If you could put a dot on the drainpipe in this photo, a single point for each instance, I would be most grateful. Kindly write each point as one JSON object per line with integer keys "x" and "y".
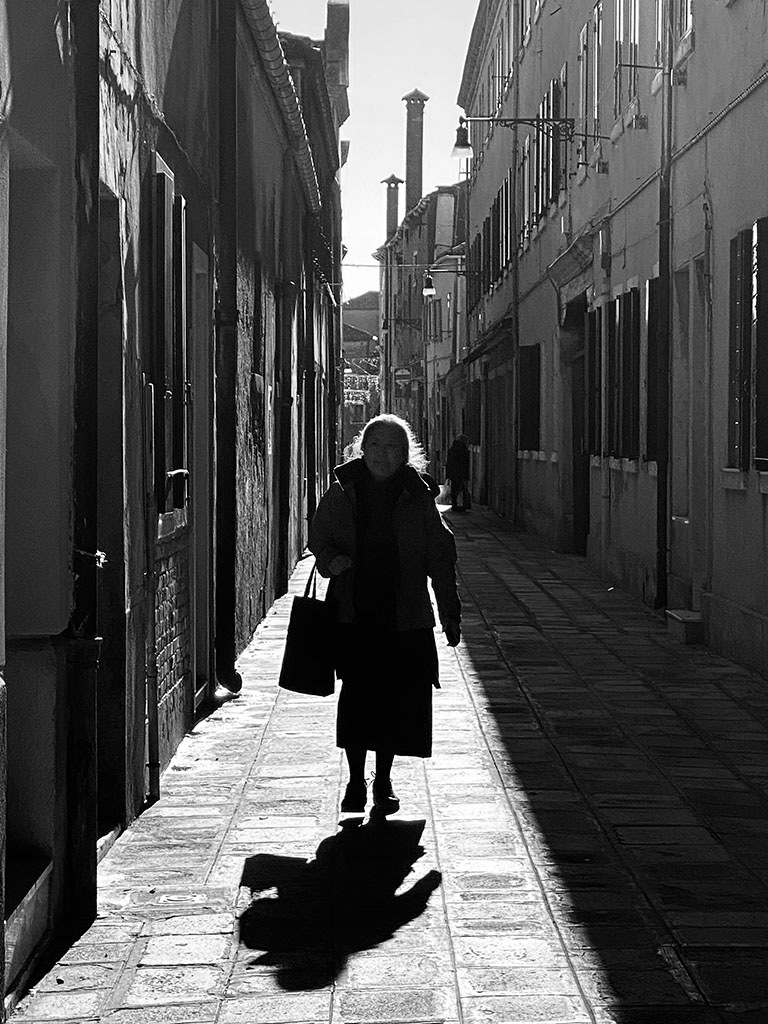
{"x": 226, "y": 352}
{"x": 665, "y": 291}
{"x": 83, "y": 644}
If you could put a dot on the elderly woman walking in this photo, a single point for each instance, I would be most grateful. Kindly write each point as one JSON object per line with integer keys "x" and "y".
{"x": 378, "y": 535}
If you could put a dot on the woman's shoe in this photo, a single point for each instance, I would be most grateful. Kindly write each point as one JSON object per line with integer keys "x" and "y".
{"x": 384, "y": 799}
{"x": 355, "y": 797}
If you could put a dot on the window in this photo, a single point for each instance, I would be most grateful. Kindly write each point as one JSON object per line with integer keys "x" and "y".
{"x": 748, "y": 349}
{"x": 560, "y": 109}
{"x": 529, "y": 426}
{"x": 583, "y": 119}
{"x": 510, "y": 225}
{"x": 660, "y": 22}
{"x": 524, "y": 9}
{"x": 472, "y": 420}
{"x": 168, "y": 363}
{"x": 597, "y": 58}
{"x": 623, "y": 385}
{"x": 683, "y": 14}
{"x": 618, "y": 53}
{"x": 594, "y": 374}
{"x": 740, "y": 352}
{"x": 629, "y": 332}
{"x": 632, "y": 48}
{"x": 760, "y": 338}
{"x": 524, "y": 183}
{"x": 652, "y": 370}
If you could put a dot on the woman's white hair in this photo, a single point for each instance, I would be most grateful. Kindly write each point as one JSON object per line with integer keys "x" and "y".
{"x": 416, "y": 456}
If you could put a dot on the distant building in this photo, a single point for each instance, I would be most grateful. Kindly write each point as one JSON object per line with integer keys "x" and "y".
{"x": 361, "y": 361}
{"x": 362, "y": 312}
{"x": 419, "y": 332}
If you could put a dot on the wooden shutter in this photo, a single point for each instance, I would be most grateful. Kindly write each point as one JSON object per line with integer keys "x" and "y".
{"x": 182, "y": 386}
{"x": 739, "y": 412}
{"x": 760, "y": 339}
{"x": 529, "y": 398}
{"x": 594, "y": 381}
{"x": 164, "y": 342}
{"x": 652, "y": 370}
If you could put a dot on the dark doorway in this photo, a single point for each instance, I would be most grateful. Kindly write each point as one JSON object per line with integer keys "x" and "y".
{"x": 580, "y": 456}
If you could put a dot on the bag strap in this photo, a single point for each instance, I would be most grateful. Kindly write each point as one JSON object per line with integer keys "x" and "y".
{"x": 311, "y": 582}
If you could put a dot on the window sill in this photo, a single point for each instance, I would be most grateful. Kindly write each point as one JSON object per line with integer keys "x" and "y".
{"x": 171, "y": 523}
{"x": 684, "y": 48}
{"x": 532, "y": 456}
{"x": 733, "y": 479}
{"x": 623, "y": 465}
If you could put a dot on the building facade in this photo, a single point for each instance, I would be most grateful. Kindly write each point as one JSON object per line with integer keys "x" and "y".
{"x": 169, "y": 381}
{"x": 616, "y": 293}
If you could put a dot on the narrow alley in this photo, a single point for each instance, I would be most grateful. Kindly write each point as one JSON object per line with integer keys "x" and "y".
{"x": 586, "y": 846}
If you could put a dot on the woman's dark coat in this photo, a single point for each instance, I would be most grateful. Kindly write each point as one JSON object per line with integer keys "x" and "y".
{"x": 425, "y": 544}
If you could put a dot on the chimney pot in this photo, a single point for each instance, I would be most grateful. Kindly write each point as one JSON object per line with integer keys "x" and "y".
{"x": 393, "y": 184}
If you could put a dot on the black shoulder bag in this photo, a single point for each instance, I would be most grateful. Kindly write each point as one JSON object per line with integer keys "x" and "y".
{"x": 308, "y": 660}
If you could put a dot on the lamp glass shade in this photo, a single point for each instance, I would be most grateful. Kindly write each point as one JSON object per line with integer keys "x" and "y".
{"x": 462, "y": 150}
{"x": 428, "y": 291}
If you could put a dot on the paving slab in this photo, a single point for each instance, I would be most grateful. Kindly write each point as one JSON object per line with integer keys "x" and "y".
{"x": 585, "y": 846}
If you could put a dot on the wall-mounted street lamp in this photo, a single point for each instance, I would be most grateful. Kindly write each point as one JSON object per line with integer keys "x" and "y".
{"x": 557, "y": 127}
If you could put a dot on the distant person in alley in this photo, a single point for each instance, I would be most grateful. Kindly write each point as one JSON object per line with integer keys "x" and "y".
{"x": 457, "y": 471}
{"x": 378, "y": 535}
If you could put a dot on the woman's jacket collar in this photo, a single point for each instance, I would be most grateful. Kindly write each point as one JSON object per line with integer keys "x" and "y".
{"x": 348, "y": 473}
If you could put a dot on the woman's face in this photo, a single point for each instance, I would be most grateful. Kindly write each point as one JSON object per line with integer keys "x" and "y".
{"x": 385, "y": 450}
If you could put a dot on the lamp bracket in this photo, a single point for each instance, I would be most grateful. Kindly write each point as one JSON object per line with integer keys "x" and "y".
{"x": 554, "y": 126}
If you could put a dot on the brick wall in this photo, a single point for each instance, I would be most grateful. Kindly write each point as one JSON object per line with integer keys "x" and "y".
{"x": 173, "y": 626}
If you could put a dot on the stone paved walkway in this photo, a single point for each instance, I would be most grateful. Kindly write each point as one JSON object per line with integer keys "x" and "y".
{"x": 587, "y": 845}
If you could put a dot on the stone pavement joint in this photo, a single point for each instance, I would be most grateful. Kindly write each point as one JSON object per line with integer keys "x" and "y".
{"x": 586, "y": 845}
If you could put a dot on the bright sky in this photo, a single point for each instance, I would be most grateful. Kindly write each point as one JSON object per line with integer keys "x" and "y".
{"x": 395, "y": 46}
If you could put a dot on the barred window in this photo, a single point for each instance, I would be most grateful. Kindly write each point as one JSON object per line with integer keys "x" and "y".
{"x": 748, "y": 349}
{"x": 529, "y": 404}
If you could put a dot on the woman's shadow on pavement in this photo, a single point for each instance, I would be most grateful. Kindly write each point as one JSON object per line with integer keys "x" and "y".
{"x": 309, "y": 916}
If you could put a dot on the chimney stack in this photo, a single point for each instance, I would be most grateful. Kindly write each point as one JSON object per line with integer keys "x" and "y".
{"x": 414, "y": 147}
{"x": 393, "y": 184}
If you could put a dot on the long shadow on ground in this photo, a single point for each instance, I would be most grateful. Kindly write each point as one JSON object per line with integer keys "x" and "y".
{"x": 308, "y": 917}
{"x": 636, "y": 767}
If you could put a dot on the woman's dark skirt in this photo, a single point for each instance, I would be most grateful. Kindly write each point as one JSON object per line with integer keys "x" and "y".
{"x": 386, "y": 693}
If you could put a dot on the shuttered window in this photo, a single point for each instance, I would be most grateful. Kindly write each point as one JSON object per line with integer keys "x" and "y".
{"x": 652, "y": 370}
{"x": 168, "y": 358}
{"x": 748, "y": 349}
{"x": 529, "y": 427}
{"x": 594, "y": 374}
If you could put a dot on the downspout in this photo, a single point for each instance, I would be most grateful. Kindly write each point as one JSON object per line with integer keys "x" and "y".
{"x": 226, "y": 353}
{"x": 665, "y": 291}
{"x": 83, "y": 645}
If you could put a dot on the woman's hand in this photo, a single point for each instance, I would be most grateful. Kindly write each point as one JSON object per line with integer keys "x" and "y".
{"x": 452, "y": 631}
{"x": 339, "y": 564}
